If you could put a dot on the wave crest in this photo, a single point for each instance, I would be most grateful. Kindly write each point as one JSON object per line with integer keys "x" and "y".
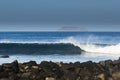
{"x": 93, "y": 48}
{"x": 88, "y": 47}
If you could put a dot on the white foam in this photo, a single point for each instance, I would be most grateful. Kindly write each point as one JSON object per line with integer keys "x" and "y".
{"x": 92, "y": 49}
{"x": 93, "y": 52}
{"x": 54, "y": 58}
{"x": 109, "y": 50}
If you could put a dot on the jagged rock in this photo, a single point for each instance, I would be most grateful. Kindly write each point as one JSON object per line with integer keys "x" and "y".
{"x": 59, "y": 64}
{"x": 1, "y": 68}
{"x": 26, "y": 75}
{"x": 102, "y": 63}
{"x": 35, "y": 67}
{"x": 21, "y": 68}
{"x": 49, "y": 65}
{"x": 30, "y": 63}
{"x": 4, "y": 75}
{"x": 15, "y": 66}
{"x": 77, "y": 64}
{"x": 105, "y": 70}
{"x": 101, "y": 76}
{"x": 4, "y": 56}
{"x": 108, "y": 63}
{"x": 50, "y": 78}
{"x": 13, "y": 76}
{"x": 104, "y": 76}
{"x": 4, "y": 79}
{"x": 116, "y": 75}
{"x": 7, "y": 67}
{"x": 50, "y": 69}
{"x": 11, "y": 67}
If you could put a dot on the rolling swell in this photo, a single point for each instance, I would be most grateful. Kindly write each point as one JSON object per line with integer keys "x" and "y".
{"x": 38, "y": 49}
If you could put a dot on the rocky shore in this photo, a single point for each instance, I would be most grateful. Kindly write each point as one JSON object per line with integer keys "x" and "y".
{"x": 104, "y": 70}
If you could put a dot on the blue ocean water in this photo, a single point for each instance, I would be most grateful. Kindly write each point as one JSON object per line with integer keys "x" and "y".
{"x": 59, "y": 46}
{"x": 83, "y": 37}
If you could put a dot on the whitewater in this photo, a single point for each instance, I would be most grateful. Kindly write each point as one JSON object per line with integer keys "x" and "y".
{"x": 93, "y": 48}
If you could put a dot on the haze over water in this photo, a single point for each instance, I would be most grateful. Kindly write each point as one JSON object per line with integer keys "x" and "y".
{"x": 53, "y": 30}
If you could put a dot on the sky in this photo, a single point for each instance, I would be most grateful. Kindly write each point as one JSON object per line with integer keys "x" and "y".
{"x": 59, "y": 15}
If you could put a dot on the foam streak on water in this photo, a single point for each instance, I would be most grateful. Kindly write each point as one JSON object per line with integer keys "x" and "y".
{"x": 91, "y": 52}
{"x": 55, "y": 58}
{"x": 92, "y": 44}
{"x": 93, "y": 48}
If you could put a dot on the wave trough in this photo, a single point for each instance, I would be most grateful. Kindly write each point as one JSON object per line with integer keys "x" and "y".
{"x": 38, "y": 49}
{"x": 64, "y": 46}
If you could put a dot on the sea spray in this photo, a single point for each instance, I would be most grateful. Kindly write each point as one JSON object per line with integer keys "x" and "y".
{"x": 95, "y": 46}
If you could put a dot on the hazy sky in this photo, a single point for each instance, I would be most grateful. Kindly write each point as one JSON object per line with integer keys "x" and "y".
{"x": 58, "y": 15}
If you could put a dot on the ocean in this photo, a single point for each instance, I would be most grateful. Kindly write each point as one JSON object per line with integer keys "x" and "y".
{"x": 59, "y": 46}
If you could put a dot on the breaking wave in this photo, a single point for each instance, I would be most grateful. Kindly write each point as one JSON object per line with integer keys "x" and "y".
{"x": 95, "y": 48}
{"x": 64, "y": 46}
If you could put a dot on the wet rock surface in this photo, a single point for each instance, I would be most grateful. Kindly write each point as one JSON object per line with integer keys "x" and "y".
{"x": 104, "y": 70}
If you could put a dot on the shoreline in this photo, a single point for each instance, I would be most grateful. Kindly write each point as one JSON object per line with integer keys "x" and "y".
{"x": 103, "y": 70}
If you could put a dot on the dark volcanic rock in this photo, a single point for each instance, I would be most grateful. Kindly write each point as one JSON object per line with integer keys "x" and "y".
{"x": 4, "y": 56}
{"x": 1, "y": 69}
{"x": 31, "y": 63}
{"x": 50, "y": 69}
{"x": 15, "y": 66}
{"x": 4, "y": 75}
{"x": 104, "y": 70}
{"x": 13, "y": 76}
{"x": 8, "y": 67}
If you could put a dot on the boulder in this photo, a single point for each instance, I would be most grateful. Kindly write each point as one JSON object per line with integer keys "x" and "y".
{"x": 30, "y": 63}
{"x": 26, "y": 75}
{"x": 59, "y": 64}
{"x": 15, "y": 66}
{"x": 4, "y": 75}
{"x": 101, "y": 76}
{"x": 50, "y": 69}
{"x": 11, "y": 67}
{"x": 7, "y": 67}
{"x": 13, "y": 76}
{"x": 50, "y": 78}
{"x": 116, "y": 75}
{"x": 1, "y": 68}
{"x": 35, "y": 67}
{"x": 4, "y": 56}
{"x": 108, "y": 63}
{"x": 102, "y": 63}
{"x": 105, "y": 70}
{"x": 4, "y": 79}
